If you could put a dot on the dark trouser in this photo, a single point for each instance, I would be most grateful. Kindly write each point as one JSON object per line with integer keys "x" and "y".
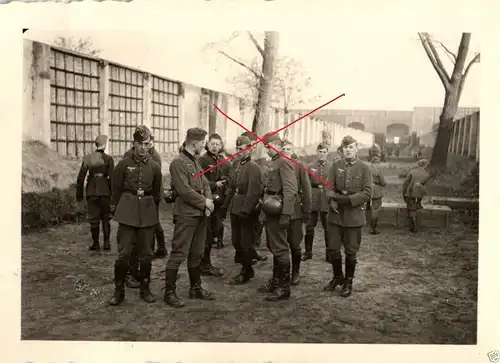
{"x": 373, "y": 209}
{"x": 214, "y": 223}
{"x": 127, "y": 238}
{"x": 99, "y": 210}
{"x": 295, "y": 233}
{"x": 350, "y": 238}
{"x": 311, "y": 225}
{"x": 277, "y": 240}
{"x": 243, "y": 238}
{"x": 159, "y": 234}
{"x": 259, "y": 227}
{"x": 412, "y": 205}
{"x": 188, "y": 242}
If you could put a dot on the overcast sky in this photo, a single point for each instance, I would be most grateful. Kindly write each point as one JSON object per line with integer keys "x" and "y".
{"x": 374, "y": 70}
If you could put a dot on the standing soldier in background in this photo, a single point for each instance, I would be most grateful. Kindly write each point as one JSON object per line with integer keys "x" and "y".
{"x": 99, "y": 167}
{"x": 217, "y": 181}
{"x": 242, "y": 198}
{"x": 226, "y": 171}
{"x": 191, "y": 209}
{"x": 137, "y": 184}
{"x": 319, "y": 210}
{"x": 277, "y": 208}
{"x": 375, "y": 205}
{"x": 301, "y": 213}
{"x": 352, "y": 182}
{"x": 413, "y": 192}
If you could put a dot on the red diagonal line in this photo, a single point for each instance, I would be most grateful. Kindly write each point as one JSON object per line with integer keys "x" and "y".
{"x": 225, "y": 160}
{"x": 313, "y": 174}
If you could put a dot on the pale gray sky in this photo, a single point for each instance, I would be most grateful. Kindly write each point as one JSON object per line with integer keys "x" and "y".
{"x": 374, "y": 70}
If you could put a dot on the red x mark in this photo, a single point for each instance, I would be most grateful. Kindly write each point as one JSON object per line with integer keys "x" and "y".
{"x": 225, "y": 160}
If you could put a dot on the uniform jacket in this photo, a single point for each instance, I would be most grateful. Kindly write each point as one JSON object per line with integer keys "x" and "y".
{"x": 281, "y": 179}
{"x": 219, "y": 173}
{"x": 304, "y": 201}
{"x": 414, "y": 184}
{"x": 154, "y": 156}
{"x": 131, "y": 175}
{"x": 192, "y": 191}
{"x": 245, "y": 188}
{"x": 354, "y": 178}
{"x": 97, "y": 162}
{"x": 319, "y": 197}
{"x": 378, "y": 181}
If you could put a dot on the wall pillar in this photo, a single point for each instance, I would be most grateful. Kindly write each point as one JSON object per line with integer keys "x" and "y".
{"x": 104, "y": 120}
{"x": 41, "y": 92}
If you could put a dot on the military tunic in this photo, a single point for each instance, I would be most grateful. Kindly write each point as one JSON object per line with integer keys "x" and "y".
{"x": 190, "y": 222}
{"x": 136, "y": 190}
{"x": 319, "y": 208}
{"x": 375, "y": 204}
{"x": 302, "y": 207}
{"x": 414, "y": 189}
{"x": 214, "y": 226}
{"x": 243, "y": 196}
{"x": 354, "y": 179}
{"x": 97, "y": 168}
{"x": 280, "y": 181}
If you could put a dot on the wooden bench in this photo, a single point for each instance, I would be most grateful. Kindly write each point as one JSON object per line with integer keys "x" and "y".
{"x": 431, "y": 216}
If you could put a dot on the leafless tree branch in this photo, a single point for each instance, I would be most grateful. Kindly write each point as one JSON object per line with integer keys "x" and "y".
{"x": 476, "y": 59}
{"x": 435, "y": 61}
{"x": 240, "y": 63}
{"x": 449, "y": 52}
{"x": 257, "y": 45}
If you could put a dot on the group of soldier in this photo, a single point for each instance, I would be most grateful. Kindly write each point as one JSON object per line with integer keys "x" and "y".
{"x": 206, "y": 189}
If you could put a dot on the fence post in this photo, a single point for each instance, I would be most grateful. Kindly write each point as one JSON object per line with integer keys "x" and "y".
{"x": 472, "y": 121}
{"x": 41, "y": 92}
{"x": 465, "y": 136}
{"x": 104, "y": 98}
{"x": 477, "y": 136}
{"x": 147, "y": 108}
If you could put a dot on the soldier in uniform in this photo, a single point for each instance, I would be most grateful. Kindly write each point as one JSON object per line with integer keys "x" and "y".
{"x": 352, "y": 182}
{"x": 301, "y": 213}
{"x": 242, "y": 199}
{"x": 99, "y": 167}
{"x": 218, "y": 183}
{"x": 281, "y": 185}
{"x": 319, "y": 208}
{"x": 191, "y": 209}
{"x": 374, "y": 206}
{"x": 414, "y": 190}
{"x": 137, "y": 183}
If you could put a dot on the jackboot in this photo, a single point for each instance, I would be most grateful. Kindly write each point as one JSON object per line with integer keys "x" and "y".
{"x": 161, "y": 250}
{"x": 308, "y": 254}
{"x": 282, "y": 292}
{"x": 145, "y": 277}
{"x": 350, "y": 267}
{"x": 197, "y": 291}
{"x": 106, "y": 231}
{"x": 272, "y": 283}
{"x": 412, "y": 221}
{"x": 338, "y": 275}
{"x": 119, "y": 293}
{"x": 373, "y": 226}
{"x": 296, "y": 258}
{"x": 246, "y": 274}
{"x": 170, "y": 296}
{"x": 94, "y": 231}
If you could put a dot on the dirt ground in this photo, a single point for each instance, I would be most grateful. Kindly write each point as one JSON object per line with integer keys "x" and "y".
{"x": 409, "y": 289}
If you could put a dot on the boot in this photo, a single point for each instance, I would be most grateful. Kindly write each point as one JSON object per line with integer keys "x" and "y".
{"x": 412, "y": 222}
{"x": 161, "y": 251}
{"x": 94, "y": 231}
{"x": 282, "y": 292}
{"x": 197, "y": 291}
{"x": 106, "y": 231}
{"x": 132, "y": 282}
{"x": 119, "y": 293}
{"x": 373, "y": 226}
{"x": 170, "y": 296}
{"x": 308, "y": 254}
{"x": 145, "y": 271}
{"x": 258, "y": 257}
{"x": 338, "y": 275}
{"x": 296, "y": 258}
{"x": 350, "y": 266}
{"x": 273, "y": 281}
{"x": 246, "y": 274}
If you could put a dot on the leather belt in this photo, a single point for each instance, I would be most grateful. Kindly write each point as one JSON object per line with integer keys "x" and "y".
{"x": 98, "y": 175}
{"x": 139, "y": 193}
{"x": 273, "y": 193}
{"x": 238, "y": 191}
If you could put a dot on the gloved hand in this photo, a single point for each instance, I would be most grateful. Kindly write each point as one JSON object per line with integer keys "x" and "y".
{"x": 306, "y": 217}
{"x": 284, "y": 221}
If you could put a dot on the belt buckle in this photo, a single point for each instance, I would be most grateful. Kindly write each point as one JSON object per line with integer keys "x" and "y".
{"x": 140, "y": 193}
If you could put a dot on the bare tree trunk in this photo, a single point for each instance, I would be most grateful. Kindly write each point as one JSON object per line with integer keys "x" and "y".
{"x": 445, "y": 130}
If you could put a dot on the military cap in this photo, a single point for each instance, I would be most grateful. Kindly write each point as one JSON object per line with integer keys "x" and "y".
{"x": 196, "y": 134}
{"x": 101, "y": 141}
{"x": 242, "y": 140}
{"x": 249, "y": 135}
{"x": 286, "y": 142}
{"x": 142, "y": 133}
{"x": 272, "y": 138}
{"x": 322, "y": 145}
{"x": 375, "y": 159}
{"x": 215, "y": 136}
{"x": 422, "y": 162}
{"x": 348, "y": 140}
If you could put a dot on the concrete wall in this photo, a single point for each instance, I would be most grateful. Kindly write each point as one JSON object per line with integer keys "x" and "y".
{"x": 114, "y": 98}
{"x": 465, "y": 137}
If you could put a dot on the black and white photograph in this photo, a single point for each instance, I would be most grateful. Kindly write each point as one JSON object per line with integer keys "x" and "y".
{"x": 250, "y": 187}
